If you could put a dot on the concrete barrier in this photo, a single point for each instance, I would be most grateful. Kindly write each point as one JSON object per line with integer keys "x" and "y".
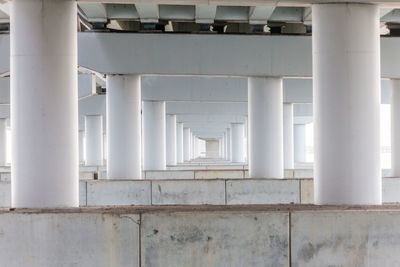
{"x": 120, "y": 192}
{"x": 170, "y": 236}
{"x": 256, "y": 191}
{"x": 345, "y": 238}
{"x": 188, "y": 192}
{"x": 215, "y": 239}
{"x": 69, "y": 239}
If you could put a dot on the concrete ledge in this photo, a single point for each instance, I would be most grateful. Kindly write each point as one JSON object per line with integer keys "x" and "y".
{"x": 114, "y": 193}
{"x": 262, "y": 191}
{"x": 188, "y": 192}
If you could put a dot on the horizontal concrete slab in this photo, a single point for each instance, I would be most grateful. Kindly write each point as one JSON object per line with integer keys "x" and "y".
{"x": 215, "y": 239}
{"x": 114, "y": 193}
{"x": 262, "y": 191}
{"x": 169, "y": 175}
{"x": 188, "y": 192}
{"x": 69, "y": 239}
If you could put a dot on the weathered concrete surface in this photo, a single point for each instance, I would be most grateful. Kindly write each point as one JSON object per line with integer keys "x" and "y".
{"x": 155, "y": 175}
{"x": 75, "y": 239}
{"x": 5, "y": 176}
{"x": 262, "y": 191}
{"x": 5, "y": 194}
{"x": 219, "y": 174}
{"x": 345, "y": 238}
{"x": 391, "y": 190}
{"x": 82, "y": 193}
{"x": 188, "y": 192}
{"x": 215, "y": 239}
{"x": 118, "y": 192}
{"x": 303, "y": 173}
{"x": 307, "y": 191}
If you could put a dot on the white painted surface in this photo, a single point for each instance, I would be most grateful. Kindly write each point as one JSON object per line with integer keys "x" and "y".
{"x": 265, "y": 128}
{"x": 299, "y": 133}
{"x": 94, "y": 140}
{"x": 81, "y": 141}
{"x": 69, "y": 239}
{"x": 124, "y": 107}
{"x": 346, "y": 71}
{"x": 288, "y": 148}
{"x": 179, "y": 142}
{"x": 395, "y": 126}
{"x": 171, "y": 139}
{"x": 3, "y": 141}
{"x": 186, "y": 144}
{"x": 44, "y": 104}
{"x": 154, "y": 148}
{"x": 228, "y": 144}
{"x": 238, "y": 149}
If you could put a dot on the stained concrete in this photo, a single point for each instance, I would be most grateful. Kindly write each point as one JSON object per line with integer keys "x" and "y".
{"x": 77, "y": 239}
{"x": 345, "y": 238}
{"x": 188, "y": 192}
{"x": 118, "y": 192}
{"x": 261, "y": 191}
{"x": 215, "y": 239}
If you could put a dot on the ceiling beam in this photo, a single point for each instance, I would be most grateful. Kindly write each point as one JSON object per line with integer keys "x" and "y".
{"x": 205, "y": 14}
{"x": 148, "y": 13}
{"x": 95, "y": 12}
{"x": 260, "y": 14}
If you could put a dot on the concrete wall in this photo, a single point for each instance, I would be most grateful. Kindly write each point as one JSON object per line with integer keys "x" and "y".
{"x": 203, "y": 191}
{"x": 212, "y": 147}
{"x": 283, "y": 235}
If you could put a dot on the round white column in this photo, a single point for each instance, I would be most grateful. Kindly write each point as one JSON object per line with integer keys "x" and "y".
{"x": 179, "y": 142}
{"x": 124, "y": 106}
{"x": 171, "y": 139}
{"x": 3, "y": 141}
{"x": 228, "y": 144}
{"x": 81, "y": 146}
{"x": 288, "y": 150}
{"x": 222, "y": 147}
{"x": 94, "y": 140}
{"x": 154, "y": 139}
{"x": 299, "y": 142}
{"x": 237, "y": 142}
{"x": 44, "y": 104}
{"x": 265, "y": 136}
{"x": 346, "y": 84}
{"x": 395, "y": 126}
{"x": 186, "y": 144}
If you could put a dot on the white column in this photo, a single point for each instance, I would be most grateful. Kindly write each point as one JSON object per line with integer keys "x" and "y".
{"x": 226, "y": 157}
{"x": 186, "y": 144}
{"x": 395, "y": 126}
{"x": 44, "y": 104}
{"x": 191, "y": 145}
{"x": 105, "y": 148}
{"x": 346, "y": 83}
{"x": 94, "y": 140}
{"x": 154, "y": 135}
{"x": 265, "y": 128}
{"x": 299, "y": 136}
{"x": 222, "y": 147}
{"x": 81, "y": 146}
{"x": 171, "y": 139}
{"x": 124, "y": 106}
{"x": 3, "y": 141}
{"x": 237, "y": 142}
{"x": 228, "y": 144}
{"x": 179, "y": 142}
{"x": 288, "y": 150}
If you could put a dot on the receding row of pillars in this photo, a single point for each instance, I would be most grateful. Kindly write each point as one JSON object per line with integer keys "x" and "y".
{"x": 44, "y": 109}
